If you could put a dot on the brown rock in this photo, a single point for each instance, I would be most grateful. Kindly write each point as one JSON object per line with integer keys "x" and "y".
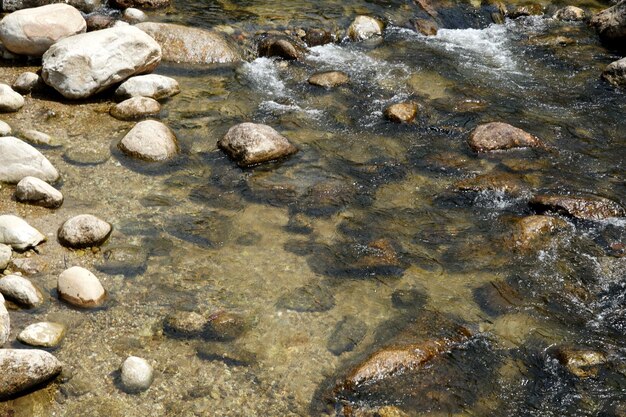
{"x": 401, "y": 112}
{"x": 251, "y": 144}
{"x": 281, "y": 46}
{"x": 493, "y": 181}
{"x": 588, "y": 208}
{"x": 225, "y": 325}
{"x": 316, "y": 37}
{"x": 611, "y": 23}
{"x": 96, "y": 21}
{"x": 530, "y": 229}
{"x": 329, "y": 79}
{"x": 526, "y": 10}
{"x": 427, "y": 27}
{"x": 581, "y": 362}
{"x": 25, "y": 368}
{"x": 615, "y": 73}
{"x": 571, "y": 13}
{"x": 499, "y": 136}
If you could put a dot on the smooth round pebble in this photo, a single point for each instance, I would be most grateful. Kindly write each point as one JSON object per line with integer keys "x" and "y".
{"x": 5, "y": 129}
{"x": 80, "y": 287}
{"x": 137, "y": 374}
{"x": 83, "y": 231}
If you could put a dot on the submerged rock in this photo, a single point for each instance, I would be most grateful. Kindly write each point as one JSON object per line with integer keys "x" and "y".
{"x": 581, "y": 362}
{"x": 5, "y": 323}
{"x": 500, "y": 136}
{"x": 228, "y": 353}
{"x": 280, "y": 46}
{"x": 129, "y": 260}
{"x": 151, "y": 141}
{"x": 152, "y": 85}
{"x": 18, "y": 159}
{"x": 615, "y": 73}
{"x": 329, "y": 79}
{"x": 364, "y": 27}
{"x": 401, "y": 112}
{"x": 85, "y": 64}
{"x": 44, "y": 334}
{"x": 309, "y": 298}
{"x": 587, "y": 208}
{"x": 32, "y": 190}
{"x": 83, "y": 231}
{"x": 225, "y": 325}
{"x": 530, "y": 230}
{"x": 348, "y": 333}
{"x": 80, "y": 288}
{"x": 10, "y": 101}
{"x": 184, "y": 324}
{"x": 611, "y": 23}
{"x": 38, "y": 138}
{"x": 18, "y": 234}
{"x": 25, "y": 368}
{"x": 32, "y": 31}
{"x": 20, "y": 290}
{"x": 136, "y": 108}
{"x": 493, "y": 181}
{"x": 137, "y": 374}
{"x": 251, "y": 144}
{"x": 571, "y": 13}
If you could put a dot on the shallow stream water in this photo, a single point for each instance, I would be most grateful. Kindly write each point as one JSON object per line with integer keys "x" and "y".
{"x": 290, "y": 245}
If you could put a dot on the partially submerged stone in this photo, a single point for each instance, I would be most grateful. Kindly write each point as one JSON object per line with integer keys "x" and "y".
{"x": 136, "y": 108}
{"x": 282, "y": 46}
{"x": 136, "y": 374}
{"x": 44, "y": 334}
{"x": 401, "y": 112}
{"x": 18, "y": 159}
{"x": 329, "y": 79}
{"x": 32, "y": 190}
{"x": 570, "y": 13}
{"x": 530, "y": 230}
{"x": 581, "y": 362}
{"x": 80, "y": 287}
{"x": 25, "y": 368}
{"x": 151, "y": 141}
{"x": 21, "y": 291}
{"x": 615, "y": 73}
{"x": 500, "y": 136}
{"x": 152, "y": 85}
{"x": 364, "y": 27}
{"x": 611, "y": 23}
{"x": 587, "y": 208}
{"x": 17, "y": 233}
{"x": 83, "y": 231}
{"x": 251, "y": 144}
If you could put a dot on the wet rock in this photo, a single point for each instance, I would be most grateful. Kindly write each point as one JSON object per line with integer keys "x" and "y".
{"x": 88, "y": 156}
{"x": 32, "y": 190}
{"x": 151, "y": 141}
{"x": 500, "y": 136}
{"x": 251, "y": 144}
{"x": 317, "y": 37}
{"x": 588, "y": 208}
{"x": 99, "y": 21}
{"x": 497, "y": 298}
{"x": 611, "y": 23}
{"x": 5, "y": 323}
{"x": 136, "y": 108}
{"x": 10, "y": 101}
{"x": 310, "y": 298}
{"x": 152, "y": 85}
{"x": 129, "y": 260}
{"x": 530, "y": 230}
{"x": 225, "y": 326}
{"x": 86, "y": 6}
{"x": 25, "y": 368}
{"x": 401, "y": 112}
{"x": 326, "y": 198}
{"x": 232, "y": 355}
{"x": 18, "y": 234}
{"x": 348, "y": 333}
{"x": 141, "y": 4}
{"x": 191, "y": 45}
{"x": 364, "y": 27}
{"x": 27, "y": 82}
{"x": 426, "y": 27}
{"x": 5, "y": 129}
{"x": 184, "y": 324}
{"x": 412, "y": 299}
{"x": 615, "y": 73}
{"x": 570, "y": 13}
{"x": 80, "y": 287}
{"x": 206, "y": 229}
{"x": 18, "y": 159}
{"x": 493, "y": 181}
{"x": 581, "y": 362}
{"x": 134, "y": 16}
{"x": 44, "y": 334}
{"x": 280, "y": 46}
{"x": 525, "y": 10}
{"x": 137, "y": 374}
{"x": 329, "y": 79}
{"x": 38, "y": 138}
{"x": 83, "y": 231}
{"x": 32, "y": 31}
{"x": 85, "y": 64}
{"x": 21, "y": 291}
{"x": 5, "y": 256}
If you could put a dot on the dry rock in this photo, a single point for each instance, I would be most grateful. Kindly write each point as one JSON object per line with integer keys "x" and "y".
{"x": 571, "y": 13}
{"x": 5, "y": 129}
{"x": 21, "y": 291}
{"x": 152, "y": 85}
{"x": 611, "y": 23}
{"x": 44, "y": 334}
{"x": 32, "y": 190}
{"x": 134, "y": 16}
{"x": 615, "y": 73}
{"x": 15, "y": 232}
{"x": 5, "y": 323}
{"x": 5, "y": 256}
{"x": 25, "y": 368}
{"x": 251, "y": 144}
{"x": 150, "y": 140}
{"x": 83, "y": 231}
{"x": 499, "y": 136}
{"x": 80, "y": 287}
{"x": 10, "y": 101}
{"x": 27, "y": 82}
{"x": 18, "y": 159}
{"x": 136, "y": 108}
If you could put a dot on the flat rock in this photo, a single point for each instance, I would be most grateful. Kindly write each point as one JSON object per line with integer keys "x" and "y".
{"x": 611, "y": 23}
{"x": 570, "y": 13}
{"x": 329, "y": 79}
{"x": 17, "y": 233}
{"x": 191, "y": 45}
{"x": 364, "y": 27}
{"x": 5, "y": 128}
{"x": 136, "y": 108}
{"x": 5, "y": 256}
{"x": 348, "y": 333}
{"x": 401, "y": 112}
{"x": 83, "y": 231}
{"x": 282, "y": 46}
{"x": 25, "y": 368}
{"x": 38, "y": 138}
{"x": 151, "y": 141}
{"x": 615, "y": 73}
{"x": 32, "y": 31}
{"x": 18, "y": 159}
{"x": 10, "y": 100}
{"x": 80, "y": 287}
{"x": 5, "y": 323}
{"x": 251, "y": 144}
{"x": 27, "y": 82}
{"x": 20, "y": 290}
{"x": 499, "y": 136}
{"x": 152, "y": 85}
{"x": 85, "y": 64}
{"x": 32, "y": 190}
{"x": 137, "y": 374}
{"x": 588, "y": 208}
{"x": 44, "y": 334}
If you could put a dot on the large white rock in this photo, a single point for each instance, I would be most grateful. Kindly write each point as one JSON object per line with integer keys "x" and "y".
{"x": 25, "y": 368}
{"x": 85, "y": 64}
{"x": 32, "y": 31}
{"x": 83, "y": 231}
{"x": 35, "y": 191}
{"x": 150, "y": 140}
{"x": 5, "y": 256}
{"x": 364, "y": 27}
{"x": 151, "y": 85}
{"x": 15, "y": 232}
{"x": 80, "y": 287}
{"x": 18, "y": 159}
{"x": 136, "y": 374}
{"x": 5, "y": 322}
{"x": 10, "y": 100}
{"x": 44, "y": 334}
{"x": 20, "y": 290}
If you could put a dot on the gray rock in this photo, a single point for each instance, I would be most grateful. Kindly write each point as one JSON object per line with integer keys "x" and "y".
{"x": 364, "y": 27}
{"x": 10, "y": 101}
{"x": 134, "y": 16}
{"x": 27, "y": 82}
{"x": 190, "y": 45}
{"x": 152, "y": 85}
{"x": 80, "y": 287}
{"x": 571, "y": 13}
{"x": 85, "y": 64}
{"x": 184, "y": 324}
{"x": 251, "y": 144}
{"x": 83, "y": 231}
{"x": 329, "y": 79}
{"x": 82, "y": 5}
{"x": 32, "y": 190}
{"x": 18, "y": 234}
{"x": 25, "y": 368}
{"x": 150, "y": 140}
{"x": 136, "y": 108}
{"x": 310, "y": 298}
{"x": 615, "y": 73}
{"x": 5, "y": 256}
{"x": 5, "y": 129}
{"x": 44, "y": 334}
{"x": 5, "y": 323}
{"x": 500, "y": 136}
{"x": 137, "y": 374}
{"x": 21, "y": 291}
{"x": 18, "y": 159}
{"x": 611, "y": 23}
{"x": 32, "y": 31}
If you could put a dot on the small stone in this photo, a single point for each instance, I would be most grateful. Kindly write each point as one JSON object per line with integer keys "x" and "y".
{"x": 80, "y": 288}
{"x": 87, "y": 156}
{"x": 5, "y": 323}
{"x": 401, "y": 112}
{"x": 525, "y": 10}
{"x": 317, "y": 37}
{"x": 329, "y": 79}
{"x": 309, "y": 298}
{"x": 83, "y": 231}
{"x": 152, "y": 85}
{"x": 25, "y": 368}
{"x": 44, "y": 334}
{"x": 225, "y": 326}
{"x": 38, "y": 138}
{"x": 99, "y": 21}
{"x": 500, "y": 136}
{"x": 426, "y": 27}
{"x": 27, "y": 82}
{"x": 5, "y": 129}
{"x": 35, "y": 191}
{"x": 251, "y": 144}
{"x": 364, "y": 27}
{"x": 150, "y": 140}
{"x": 5, "y": 256}
{"x": 133, "y": 16}
{"x": 21, "y": 291}
{"x": 615, "y": 73}
{"x": 348, "y": 333}
{"x": 18, "y": 159}
{"x": 15, "y": 232}
{"x": 136, "y": 108}
{"x": 571, "y": 13}
{"x": 27, "y": 266}
{"x": 587, "y": 208}
{"x": 280, "y": 46}
{"x": 581, "y": 362}
{"x": 184, "y": 324}
{"x": 137, "y": 374}
{"x": 10, "y": 100}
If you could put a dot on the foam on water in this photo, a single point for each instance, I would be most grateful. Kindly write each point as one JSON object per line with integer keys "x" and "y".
{"x": 264, "y": 76}
{"x": 278, "y": 108}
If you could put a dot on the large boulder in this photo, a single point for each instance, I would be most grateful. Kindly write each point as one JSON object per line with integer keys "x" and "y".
{"x": 500, "y": 136}
{"x": 17, "y": 233}
{"x": 611, "y": 23}
{"x": 85, "y": 64}
{"x": 150, "y": 140}
{"x": 251, "y": 144}
{"x": 190, "y": 45}
{"x": 615, "y": 73}
{"x": 25, "y": 368}
{"x": 33, "y": 31}
{"x": 86, "y": 6}
{"x": 18, "y": 159}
